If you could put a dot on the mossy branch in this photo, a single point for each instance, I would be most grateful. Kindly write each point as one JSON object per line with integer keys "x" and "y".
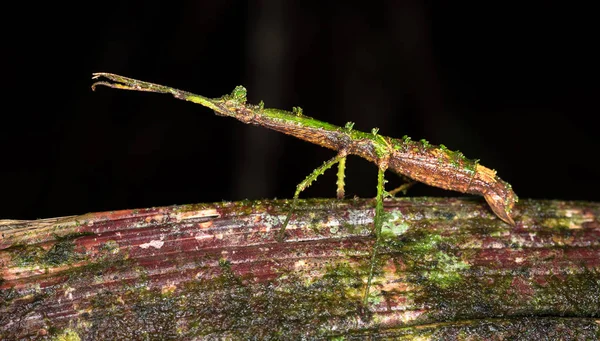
{"x": 445, "y": 269}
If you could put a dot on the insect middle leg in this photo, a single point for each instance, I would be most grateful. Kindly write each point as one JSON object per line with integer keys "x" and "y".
{"x": 341, "y": 158}
{"x": 340, "y": 178}
{"x": 378, "y": 222}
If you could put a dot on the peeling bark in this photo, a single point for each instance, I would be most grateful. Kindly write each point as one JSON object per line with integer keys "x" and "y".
{"x": 447, "y": 269}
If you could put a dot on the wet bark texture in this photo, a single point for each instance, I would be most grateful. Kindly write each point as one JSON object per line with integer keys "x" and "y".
{"x": 447, "y": 269}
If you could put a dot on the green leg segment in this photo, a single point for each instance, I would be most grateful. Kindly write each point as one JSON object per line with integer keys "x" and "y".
{"x": 340, "y": 178}
{"x": 307, "y": 182}
{"x": 378, "y": 222}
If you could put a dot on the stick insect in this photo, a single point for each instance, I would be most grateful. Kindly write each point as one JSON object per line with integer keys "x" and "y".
{"x": 418, "y": 160}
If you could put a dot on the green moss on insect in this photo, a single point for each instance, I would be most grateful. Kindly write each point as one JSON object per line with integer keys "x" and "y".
{"x": 238, "y": 95}
{"x": 380, "y": 144}
{"x": 297, "y": 111}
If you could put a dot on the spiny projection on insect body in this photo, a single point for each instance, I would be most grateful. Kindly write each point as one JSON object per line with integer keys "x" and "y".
{"x": 418, "y": 160}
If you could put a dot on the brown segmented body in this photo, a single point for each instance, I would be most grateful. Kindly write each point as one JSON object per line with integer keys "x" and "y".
{"x": 474, "y": 179}
{"x": 433, "y": 165}
{"x": 420, "y": 161}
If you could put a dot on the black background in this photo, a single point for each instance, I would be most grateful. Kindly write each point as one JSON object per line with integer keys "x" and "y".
{"x": 514, "y": 86}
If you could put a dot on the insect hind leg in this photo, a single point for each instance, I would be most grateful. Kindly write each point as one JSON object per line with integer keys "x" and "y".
{"x": 402, "y": 188}
{"x": 341, "y": 158}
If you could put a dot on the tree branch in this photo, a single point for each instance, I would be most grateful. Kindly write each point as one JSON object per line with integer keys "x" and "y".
{"x": 445, "y": 269}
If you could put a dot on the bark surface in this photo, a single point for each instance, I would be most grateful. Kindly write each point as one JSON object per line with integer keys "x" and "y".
{"x": 446, "y": 269}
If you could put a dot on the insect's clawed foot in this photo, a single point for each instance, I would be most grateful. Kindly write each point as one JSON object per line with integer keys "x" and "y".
{"x": 281, "y": 235}
{"x": 280, "y": 238}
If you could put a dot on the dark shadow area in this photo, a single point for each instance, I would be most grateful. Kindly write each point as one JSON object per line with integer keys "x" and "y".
{"x": 515, "y": 87}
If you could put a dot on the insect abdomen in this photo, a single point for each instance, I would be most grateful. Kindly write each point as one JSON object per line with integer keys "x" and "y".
{"x": 440, "y": 167}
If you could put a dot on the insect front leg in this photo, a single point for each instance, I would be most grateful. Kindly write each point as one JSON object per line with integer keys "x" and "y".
{"x": 340, "y": 157}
